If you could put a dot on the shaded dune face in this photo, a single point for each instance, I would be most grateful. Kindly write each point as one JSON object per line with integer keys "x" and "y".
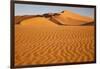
{"x": 67, "y": 21}
{"x": 70, "y": 18}
{"x": 38, "y": 21}
{"x": 18, "y": 19}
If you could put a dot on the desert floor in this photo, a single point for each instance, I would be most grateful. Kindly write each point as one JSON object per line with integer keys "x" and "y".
{"x": 50, "y": 45}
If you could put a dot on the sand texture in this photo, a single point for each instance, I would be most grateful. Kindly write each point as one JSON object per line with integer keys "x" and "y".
{"x": 53, "y": 45}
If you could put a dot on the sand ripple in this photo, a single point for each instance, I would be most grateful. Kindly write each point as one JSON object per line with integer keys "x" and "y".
{"x": 53, "y": 45}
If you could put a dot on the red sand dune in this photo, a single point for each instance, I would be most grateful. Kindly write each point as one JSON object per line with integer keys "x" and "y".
{"x": 70, "y": 18}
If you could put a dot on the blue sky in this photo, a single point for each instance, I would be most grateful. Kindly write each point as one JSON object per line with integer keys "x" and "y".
{"x": 26, "y": 9}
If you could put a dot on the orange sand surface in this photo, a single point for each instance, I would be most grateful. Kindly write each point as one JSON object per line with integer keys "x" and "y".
{"x": 57, "y": 44}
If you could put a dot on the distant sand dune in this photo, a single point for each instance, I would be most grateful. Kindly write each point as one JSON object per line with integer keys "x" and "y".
{"x": 48, "y": 45}
{"x": 66, "y": 18}
{"x": 70, "y": 18}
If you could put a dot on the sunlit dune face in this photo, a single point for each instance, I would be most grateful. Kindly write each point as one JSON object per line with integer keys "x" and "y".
{"x": 38, "y": 21}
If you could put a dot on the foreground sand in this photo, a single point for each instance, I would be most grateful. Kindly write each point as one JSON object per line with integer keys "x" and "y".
{"x": 47, "y": 45}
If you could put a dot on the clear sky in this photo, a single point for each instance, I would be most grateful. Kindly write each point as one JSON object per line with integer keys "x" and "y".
{"x": 26, "y": 9}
